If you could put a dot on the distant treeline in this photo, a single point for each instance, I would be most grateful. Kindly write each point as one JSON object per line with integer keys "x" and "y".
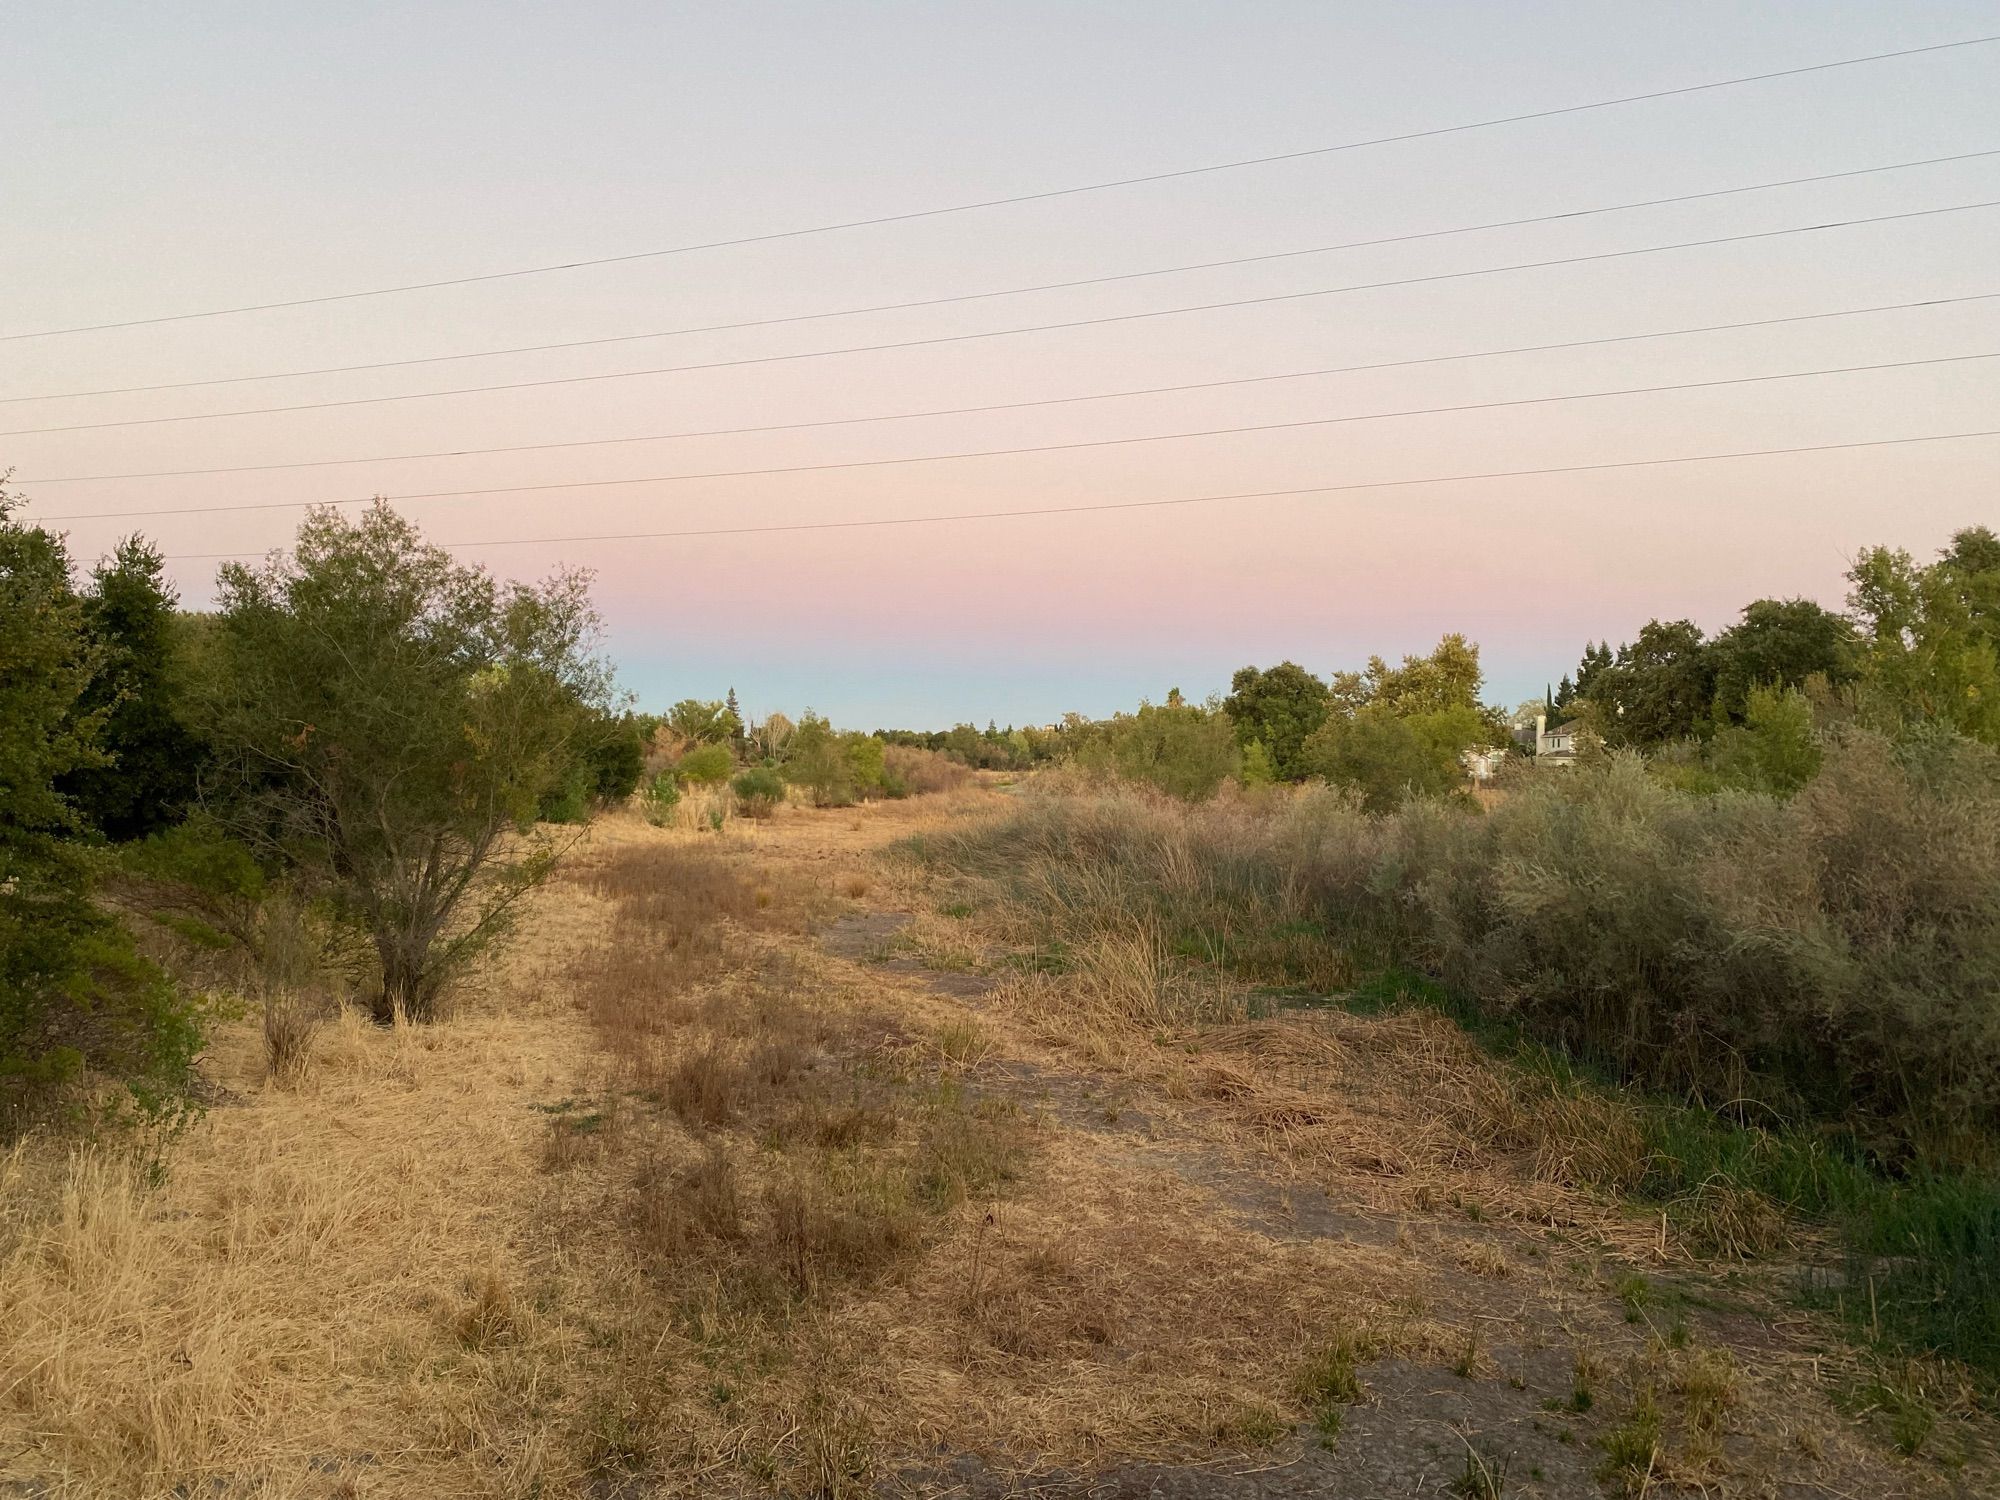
{"x": 1917, "y": 653}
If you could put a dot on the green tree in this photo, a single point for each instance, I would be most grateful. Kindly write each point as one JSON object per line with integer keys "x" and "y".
{"x": 1931, "y": 652}
{"x": 1775, "y": 749}
{"x": 390, "y": 720}
{"x": 1277, "y": 708}
{"x": 816, "y": 759}
{"x": 865, "y": 760}
{"x": 1256, "y": 770}
{"x": 73, "y": 994}
{"x": 146, "y": 778}
{"x": 1660, "y": 688}
{"x": 1778, "y": 642}
{"x": 706, "y": 723}
{"x": 1387, "y": 757}
{"x": 1184, "y": 749}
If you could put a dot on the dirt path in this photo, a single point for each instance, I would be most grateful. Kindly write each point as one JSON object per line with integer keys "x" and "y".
{"x": 1533, "y": 1353}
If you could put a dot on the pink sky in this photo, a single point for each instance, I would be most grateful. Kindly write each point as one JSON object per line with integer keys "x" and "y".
{"x": 212, "y": 159}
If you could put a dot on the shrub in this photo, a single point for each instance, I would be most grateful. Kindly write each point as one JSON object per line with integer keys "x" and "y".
{"x": 908, "y": 771}
{"x": 1388, "y": 757}
{"x": 1182, "y": 749}
{"x": 816, "y": 760}
{"x": 659, "y": 797}
{"x": 758, "y": 790}
{"x": 706, "y": 765}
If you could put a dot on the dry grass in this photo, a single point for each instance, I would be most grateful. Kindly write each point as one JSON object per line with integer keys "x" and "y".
{"x": 678, "y": 1199}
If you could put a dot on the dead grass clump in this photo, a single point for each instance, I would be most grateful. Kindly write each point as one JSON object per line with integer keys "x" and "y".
{"x": 705, "y": 1085}
{"x": 853, "y": 1225}
{"x": 292, "y": 1020}
{"x": 488, "y": 1317}
{"x": 1722, "y": 1218}
{"x": 964, "y": 1044}
{"x": 693, "y": 1208}
{"x": 1045, "y": 1303}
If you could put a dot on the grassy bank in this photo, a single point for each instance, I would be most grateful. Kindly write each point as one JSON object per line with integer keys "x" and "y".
{"x": 1758, "y": 1017}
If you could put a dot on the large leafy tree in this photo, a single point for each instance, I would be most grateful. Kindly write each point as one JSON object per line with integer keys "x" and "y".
{"x": 1450, "y": 677}
{"x": 705, "y": 722}
{"x": 1277, "y": 707}
{"x": 1778, "y": 643}
{"x": 146, "y": 777}
{"x": 1660, "y": 687}
{"x": 390, "y": 720}
{"x": 1932, "y": 647}
{"x": 1396, "y": 732}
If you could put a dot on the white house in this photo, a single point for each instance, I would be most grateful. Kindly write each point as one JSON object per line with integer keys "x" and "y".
{"x": 1557, "y": 746}
{"x": 1483, "y": 762}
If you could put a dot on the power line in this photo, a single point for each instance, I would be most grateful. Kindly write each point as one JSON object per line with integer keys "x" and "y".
{"x": 960, "y": 411}
{"x": 955, "y": 338}
{"x": 1020, "y": 291}
{"x": 1118, "y": 505}
{"x": 1034, "y": 197}
{"x": 930, "y": 458}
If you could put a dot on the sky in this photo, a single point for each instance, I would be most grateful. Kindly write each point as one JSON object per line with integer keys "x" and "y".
{"x": 174, "y": 159}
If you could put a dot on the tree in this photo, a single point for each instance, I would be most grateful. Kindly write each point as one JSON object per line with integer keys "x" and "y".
{"x": 1449, "y": 677}
{"x": 1388, "y": 757}
{"x": 709, "y": 722}
{"x": 772, "y": 736}
{"x": 1660, "y": 688}
{"x": 816, "y": 759}
{"x": 1256, "y": 770}
{"x": 1596, "y": 658}
{"x": 73, "y": 994}
{"x": 146, "y": 778}
{"x": 1778, "y": 642}
{"x": 738, "y": 739}
{"x": 1774, "y": 750}
{"x": 1277, "y": 708}
{"x": 390, "y": 720}
{"x": 1931, "y": 652}
{"x": 1184, "y": 749}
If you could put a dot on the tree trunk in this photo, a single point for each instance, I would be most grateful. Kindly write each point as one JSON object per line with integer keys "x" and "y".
{"x": 406, "y": 987}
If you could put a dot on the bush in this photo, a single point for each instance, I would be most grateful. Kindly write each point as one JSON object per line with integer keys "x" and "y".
{"x": 659, "y": 797}
{"x": 1388, "y": 758}
{"x": 706, "y": 765}
{"x": 816, "y": 759}
{"x": 1808, "y": 982}
{"x": 758, "y": 790}
{"x": 1635, "y": 923}
{"x": 908, "y": 771}
{"x": 1184, "y": 750}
